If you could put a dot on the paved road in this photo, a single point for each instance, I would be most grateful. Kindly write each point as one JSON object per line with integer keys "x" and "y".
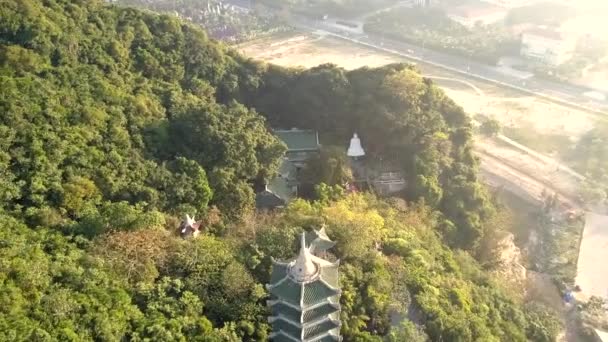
{"x": 565, "y": 94}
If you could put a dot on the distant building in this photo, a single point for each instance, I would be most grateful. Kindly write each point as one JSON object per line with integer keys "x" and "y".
{"x": 511, "y": 3}
{"x": 475, "y": 14}
{"x": 301, "y": 146}
{"x": 547, "y": 46}
{"x": 423, "y": 3}
{"x": 305, "y": 294}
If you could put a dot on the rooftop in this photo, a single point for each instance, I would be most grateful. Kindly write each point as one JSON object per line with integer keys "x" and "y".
{"x": 299, "y": 139}
{"x": 545, "y": 33}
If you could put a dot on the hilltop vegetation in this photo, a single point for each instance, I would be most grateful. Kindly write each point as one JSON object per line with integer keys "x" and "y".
{"x": 108, "y": 105}
{"x": 114, "y": 121}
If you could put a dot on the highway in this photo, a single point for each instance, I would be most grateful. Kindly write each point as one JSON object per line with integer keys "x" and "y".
{"x": 565, "y": 94}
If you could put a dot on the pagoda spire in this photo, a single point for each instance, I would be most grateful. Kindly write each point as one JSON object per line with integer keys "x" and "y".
{"x": 305, "y": 295}
{"x": 303, "y": 268}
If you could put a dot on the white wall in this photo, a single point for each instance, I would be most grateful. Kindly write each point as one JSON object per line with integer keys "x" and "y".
{"x": 546, "y": 50}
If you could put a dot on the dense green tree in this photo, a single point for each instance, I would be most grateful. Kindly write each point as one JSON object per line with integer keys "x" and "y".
{"x": 51, "y": 290}
{"x": 590, "y": 156}
{"x": 406, "y": 331}
{"x": 490, "y": 127}
{"x": 105, "y": 103}
{"x": 114, "y": 120}
{"x": 330, "y": 167}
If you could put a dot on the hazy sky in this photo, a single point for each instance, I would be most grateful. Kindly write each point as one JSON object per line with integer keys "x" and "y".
{"x": 592, "y": 18}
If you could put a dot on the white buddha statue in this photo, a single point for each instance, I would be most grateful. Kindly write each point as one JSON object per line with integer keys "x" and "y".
{"x": 355, "y": 149}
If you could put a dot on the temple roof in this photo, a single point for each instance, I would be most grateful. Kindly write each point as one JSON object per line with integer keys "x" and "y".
{"x": 320, "y": 311}
{"x": 319, "y": 241}
{"x": 268, "y": 199}
{"x": 299, "y": 140}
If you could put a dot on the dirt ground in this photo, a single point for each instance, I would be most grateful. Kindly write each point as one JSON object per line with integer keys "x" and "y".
{"x": 539, "y": 124}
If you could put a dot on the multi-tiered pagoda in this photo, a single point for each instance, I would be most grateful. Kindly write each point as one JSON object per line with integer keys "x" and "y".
{"x": 305, "y": 294}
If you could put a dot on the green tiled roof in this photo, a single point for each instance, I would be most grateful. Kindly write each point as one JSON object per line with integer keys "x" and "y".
{"x": 320, "y": 328}
{"x": 281, "y": 188}
{"x": 287, "y": 328}
{"x": 318, "y": 312}
{"x": 279, "y": 271}
{"x": 330, "y": 275}
{"x": 288, "y": 291}
{"x": 286, "y": 311}
{"x": 320, "y": 241}
{"x": 268, "y": 200}
{"x": 316, "y": 291}
{"x": 299, "y": 140}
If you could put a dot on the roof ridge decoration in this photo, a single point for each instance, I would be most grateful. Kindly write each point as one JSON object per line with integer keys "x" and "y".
{"x": 189, "y": 226}
{"x": 318, "y": 240}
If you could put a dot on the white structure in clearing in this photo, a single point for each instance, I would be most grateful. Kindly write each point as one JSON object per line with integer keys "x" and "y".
{"x": 471, "y": 15}
{"x": 592, "y": 268}
{"x": 547, "y": 46}
{"x": 355, "y": 149}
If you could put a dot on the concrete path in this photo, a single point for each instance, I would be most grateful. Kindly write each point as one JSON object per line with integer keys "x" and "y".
{"x": 592, "y": 269}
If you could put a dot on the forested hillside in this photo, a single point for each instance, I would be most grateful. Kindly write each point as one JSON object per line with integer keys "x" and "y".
{"x": 115, "y": 122}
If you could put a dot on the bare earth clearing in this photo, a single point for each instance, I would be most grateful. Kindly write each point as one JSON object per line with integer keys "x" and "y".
{"x": 531, "y": 118}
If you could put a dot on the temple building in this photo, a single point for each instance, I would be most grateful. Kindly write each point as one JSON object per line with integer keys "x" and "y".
{"x": 383, "y": 179}
{"x": 305, "y": 294}
{"x": 302, "y": 145}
